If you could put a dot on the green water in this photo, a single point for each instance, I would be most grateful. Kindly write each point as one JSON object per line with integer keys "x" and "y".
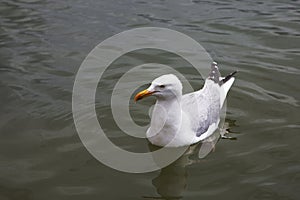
{"x": 42, "y": 44}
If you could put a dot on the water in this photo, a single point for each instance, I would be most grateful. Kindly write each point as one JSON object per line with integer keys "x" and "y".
{"x": 42, "y": 46}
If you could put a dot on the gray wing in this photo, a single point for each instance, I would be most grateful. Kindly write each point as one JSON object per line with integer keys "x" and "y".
{"x": 203, "y": 107}
{"x": 213, "y": 114}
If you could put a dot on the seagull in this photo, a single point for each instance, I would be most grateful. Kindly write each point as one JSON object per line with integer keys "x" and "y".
{"x": 181, "y": 120}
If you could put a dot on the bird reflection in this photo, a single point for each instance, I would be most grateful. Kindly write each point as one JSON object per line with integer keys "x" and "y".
{"x": 172, "y": 180}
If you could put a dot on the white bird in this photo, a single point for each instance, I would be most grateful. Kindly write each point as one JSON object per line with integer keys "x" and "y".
{"x": 181, "y": 120}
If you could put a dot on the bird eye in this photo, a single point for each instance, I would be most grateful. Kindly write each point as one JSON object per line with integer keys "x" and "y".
{"x": 162, "y": 86}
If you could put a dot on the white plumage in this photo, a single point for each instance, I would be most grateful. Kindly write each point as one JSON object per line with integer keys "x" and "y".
{"x": 180, "y": 120}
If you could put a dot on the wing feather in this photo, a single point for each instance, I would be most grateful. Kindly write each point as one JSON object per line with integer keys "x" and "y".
{"x": 203, "y": 107}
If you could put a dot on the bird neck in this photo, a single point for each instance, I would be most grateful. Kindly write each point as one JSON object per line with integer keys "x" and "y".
{"x": 170, "y": 103}
{"x": 165, "y": 121}
{"x": 168, "y": 111}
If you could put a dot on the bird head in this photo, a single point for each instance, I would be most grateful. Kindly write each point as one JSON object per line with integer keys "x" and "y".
{"x": 164, "y": 87}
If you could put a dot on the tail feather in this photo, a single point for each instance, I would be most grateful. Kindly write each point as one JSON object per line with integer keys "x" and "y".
{"x": 226, "y": 84}
{"x": 224, "y": 80}
{"x": 214, "y": 74}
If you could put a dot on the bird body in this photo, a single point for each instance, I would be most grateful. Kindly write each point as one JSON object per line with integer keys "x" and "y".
{"x": 181, "y": 120}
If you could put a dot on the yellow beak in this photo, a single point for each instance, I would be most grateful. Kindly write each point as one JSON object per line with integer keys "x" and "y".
{"x": 142, "y": 94}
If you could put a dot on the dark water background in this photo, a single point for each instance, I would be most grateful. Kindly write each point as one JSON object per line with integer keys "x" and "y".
{"x": 42, "y": 44}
